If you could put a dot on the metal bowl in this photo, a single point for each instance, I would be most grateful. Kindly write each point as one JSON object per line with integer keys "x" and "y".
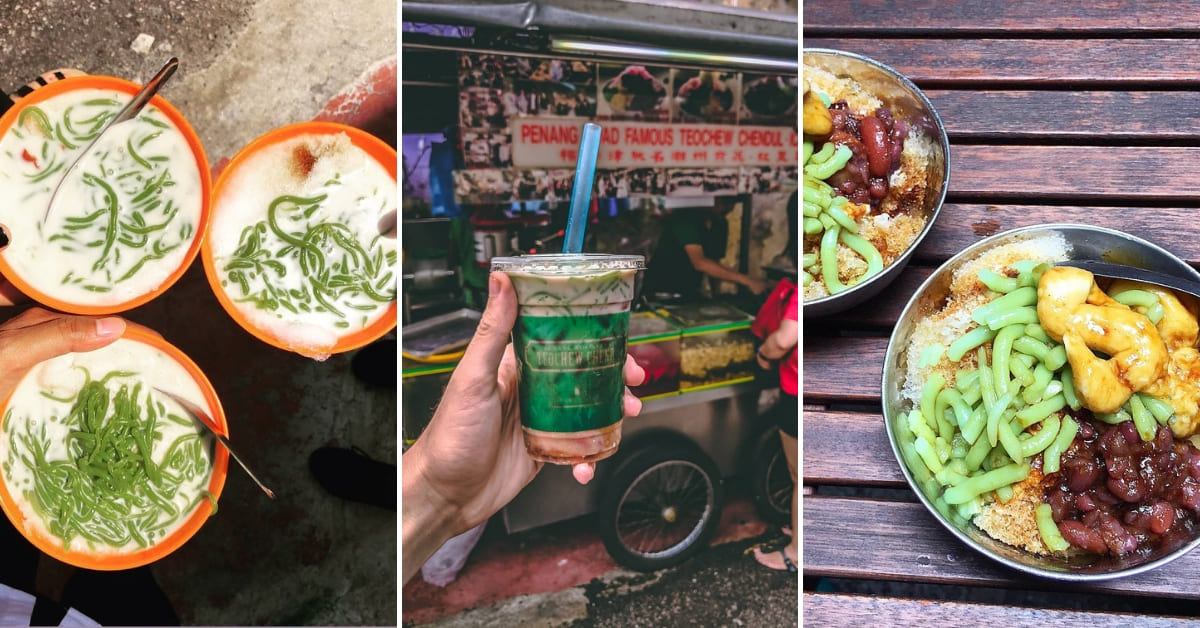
{"x": 908, "y": 103}
{"x": 1087, "y": 243}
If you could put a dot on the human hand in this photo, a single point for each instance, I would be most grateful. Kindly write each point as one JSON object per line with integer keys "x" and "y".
{"x": 763, "y": 363}
{"x": 471, "y": 460}
{"x": 37, "y": 335}
{"x": 757, "y": 286}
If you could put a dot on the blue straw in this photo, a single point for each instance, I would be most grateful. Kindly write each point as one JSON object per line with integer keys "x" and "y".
{"x": 581, "y": 194}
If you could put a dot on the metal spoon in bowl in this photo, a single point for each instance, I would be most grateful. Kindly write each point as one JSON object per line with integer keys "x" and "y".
{"x": 128, "y": 112}
{"x": 202, "y": 418}
{"x": 1121, "y": 271}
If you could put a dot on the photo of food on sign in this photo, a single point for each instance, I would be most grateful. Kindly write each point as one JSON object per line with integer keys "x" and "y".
{"x": 529, "y": 86}
{"x": 768, "y": 98}
{"x": 483, "y": 186}
{"x": 721, "y": 181}
{"x": 481, "y": 108}
{"x": 487, "y": 150}
{"x": 705, "y": 96}
{"x": 634, "y": 92}
{"x": 761, "y": 179}
{"x": 647, "y": 181}
{"x": 685, "y": 182}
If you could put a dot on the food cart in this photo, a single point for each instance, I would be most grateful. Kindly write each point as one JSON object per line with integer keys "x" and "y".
{"x": 697, "y": 101}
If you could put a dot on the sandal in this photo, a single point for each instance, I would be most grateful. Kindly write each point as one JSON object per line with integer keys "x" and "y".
{"x": 788, "y": 565}
{"x": 8, "y": 100}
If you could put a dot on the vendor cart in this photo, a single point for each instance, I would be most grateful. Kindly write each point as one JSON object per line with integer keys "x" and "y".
{"x": 519, "y": 76}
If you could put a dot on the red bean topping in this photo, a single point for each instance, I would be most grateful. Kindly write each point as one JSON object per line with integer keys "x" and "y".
{"x": 1080, "y": 473}
{"x": 1115, "y": 536}
{"x": 875, "y": 141}
{"x": 1082, "y": 537}
{"x": 1116, "y": 494}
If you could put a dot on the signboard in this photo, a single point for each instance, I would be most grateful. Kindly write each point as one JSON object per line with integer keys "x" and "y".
{"x": 666, "y": 131}
{"x": 554, "y": 143}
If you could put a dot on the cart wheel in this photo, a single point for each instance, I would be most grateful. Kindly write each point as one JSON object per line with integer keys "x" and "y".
{"x": 661, "y": 507}
{"x": 773, "y": 486}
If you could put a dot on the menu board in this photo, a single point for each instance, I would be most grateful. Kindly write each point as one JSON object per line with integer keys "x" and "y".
{"x": 666, "y": 131}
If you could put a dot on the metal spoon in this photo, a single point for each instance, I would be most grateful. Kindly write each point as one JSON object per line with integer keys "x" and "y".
{"x": 202, "y": 417}
{"x": 1121, "y": 271}
{"x": 128, "y": 112}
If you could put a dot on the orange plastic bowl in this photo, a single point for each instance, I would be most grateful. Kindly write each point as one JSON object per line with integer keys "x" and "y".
{"x": 108, "y": 82}
{"x": 374, "y": 147}
{"x": 168, "y": 544}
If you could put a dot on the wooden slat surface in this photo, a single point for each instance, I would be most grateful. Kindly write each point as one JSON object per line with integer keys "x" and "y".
{"x": 867, "y": 538}
{"x": 827, "y": 609}
{"x": 843, "y": 369}
{"x": 848, "y": 448}
{"x": 1047, "y": 63}
{"x": 961, "y": 224}
{"x": 1031, "y": 116}
{"x": 1057, "y": 113}
{"x": 1083, "y": 173}
{"x": 943, "y": 17}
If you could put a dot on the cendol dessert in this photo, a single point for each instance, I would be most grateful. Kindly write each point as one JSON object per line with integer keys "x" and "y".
{"x": 94, "y": 461}
{"x": 1055, "y": 410}
{"x": 124, "y": 221}
{"x": 296, "y": 243}
{"x": 864, "y": 183}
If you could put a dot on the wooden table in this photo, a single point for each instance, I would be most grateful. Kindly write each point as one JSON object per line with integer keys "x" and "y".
{"x": 1056, "y": 113}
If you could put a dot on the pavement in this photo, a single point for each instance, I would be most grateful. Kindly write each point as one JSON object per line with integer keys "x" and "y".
{"x": 560, "y": 576}
{"x": 248, "y": 66}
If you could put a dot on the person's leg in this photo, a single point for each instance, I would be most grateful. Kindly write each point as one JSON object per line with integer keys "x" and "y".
{"x": 790, "y": 451}
{"x": 120, "y": 598}
{"x": 787, "y": 419}
{"x": 18, "y": 558}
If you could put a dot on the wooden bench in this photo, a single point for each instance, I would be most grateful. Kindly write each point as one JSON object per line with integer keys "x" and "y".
{"x": 1056, "y": 113}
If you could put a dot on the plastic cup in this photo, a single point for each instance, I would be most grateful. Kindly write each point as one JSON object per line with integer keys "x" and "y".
{"x": 569, "y": 340}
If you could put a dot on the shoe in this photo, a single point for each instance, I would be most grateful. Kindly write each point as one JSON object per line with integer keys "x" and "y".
{"x": 375, "y": 364}
{"x": 353, "y": 475}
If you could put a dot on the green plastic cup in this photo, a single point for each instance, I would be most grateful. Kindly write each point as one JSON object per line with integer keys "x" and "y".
{"x": 569, "y": 341}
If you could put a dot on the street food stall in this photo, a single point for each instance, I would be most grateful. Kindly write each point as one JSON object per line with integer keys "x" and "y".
{"x": 698, "y": 108}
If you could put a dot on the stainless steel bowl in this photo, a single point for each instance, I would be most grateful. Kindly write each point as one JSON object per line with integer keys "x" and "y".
{"x": 1086, "y": 242}
{"x": 907, "y": 103}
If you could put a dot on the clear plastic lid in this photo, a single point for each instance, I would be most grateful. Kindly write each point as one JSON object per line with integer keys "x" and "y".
{"x": 568, "y": 264}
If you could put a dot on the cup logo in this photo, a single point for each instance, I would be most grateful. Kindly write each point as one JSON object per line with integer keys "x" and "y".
{"x": 572, "y": 355}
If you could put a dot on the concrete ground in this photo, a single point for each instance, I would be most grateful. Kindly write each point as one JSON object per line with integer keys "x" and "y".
{"x": 561, "y": 576}
{"x": 247, "y": 66}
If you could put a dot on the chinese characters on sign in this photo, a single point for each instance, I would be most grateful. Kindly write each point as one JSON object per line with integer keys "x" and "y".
{"x": 667, "y": 131}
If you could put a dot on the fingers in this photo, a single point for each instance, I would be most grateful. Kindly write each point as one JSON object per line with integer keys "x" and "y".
{"x": 482, "y": 357}
{"x": 632, "y": 406}
{"x": 9, "y": 295}
{"x": 584, "y": 472}
{"x": 54, "y": 336}
{"x": 29, "y": 318}
{"x": 635, "y": 375}
{"x": 387, "y": 225}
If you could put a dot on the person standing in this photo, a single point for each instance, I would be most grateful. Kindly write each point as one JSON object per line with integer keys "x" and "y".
{"x": 692, "y": 241}
{"x": 780, "y": 346}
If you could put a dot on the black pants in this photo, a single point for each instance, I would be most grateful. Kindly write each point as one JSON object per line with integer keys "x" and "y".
{"x": 786, "y": 413}
{"x": 122, "y": 598}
